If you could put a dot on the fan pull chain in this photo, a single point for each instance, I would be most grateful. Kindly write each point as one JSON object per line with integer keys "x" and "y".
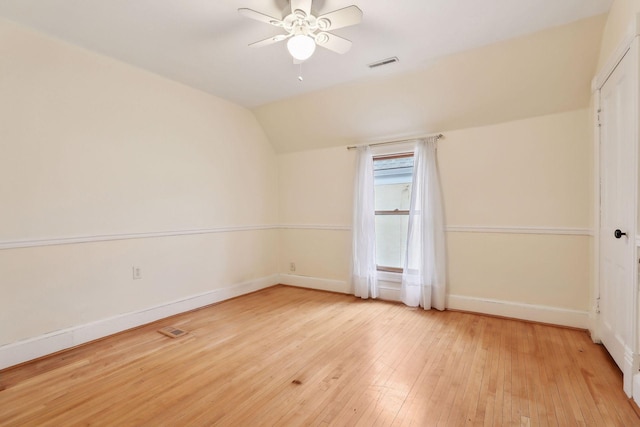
{"x": 300, "y": 79}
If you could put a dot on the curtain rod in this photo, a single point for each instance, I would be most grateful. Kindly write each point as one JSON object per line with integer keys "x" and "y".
{"x": 437, "y": 136}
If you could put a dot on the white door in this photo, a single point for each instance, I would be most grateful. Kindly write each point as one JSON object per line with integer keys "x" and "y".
{"x": 617, "y": 212}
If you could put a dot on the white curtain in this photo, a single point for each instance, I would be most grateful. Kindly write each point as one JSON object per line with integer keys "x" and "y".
{"x": 363, "y": 270}
{"x": 423, "y": 279}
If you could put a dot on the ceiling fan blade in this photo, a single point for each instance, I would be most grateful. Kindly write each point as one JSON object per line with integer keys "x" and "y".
{"x": 270, "y": 40}
{"x": 333, "y": 42}
{"x": 345, "y": 17}
{"x": 303, "y": 5}
{"x": 258, "y": 16}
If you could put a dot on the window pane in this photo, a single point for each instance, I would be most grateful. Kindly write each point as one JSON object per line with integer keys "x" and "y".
{"x": 392, "y": 192}
{"x": 393, "y": 183}
{"x": 391, "y": 239}
{"x": 393, "y": 171}
{"x": 390, "y": 197}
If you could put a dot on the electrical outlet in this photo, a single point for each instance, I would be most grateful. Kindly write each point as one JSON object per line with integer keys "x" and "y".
{"x": 137, "y": 273}
{"x": 292, "y": 266}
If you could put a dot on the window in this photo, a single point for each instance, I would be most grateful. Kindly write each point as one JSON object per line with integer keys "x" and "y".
{"x": 392, "y": 181}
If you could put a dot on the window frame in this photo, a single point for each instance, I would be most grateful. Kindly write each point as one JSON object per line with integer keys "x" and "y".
{"x": 395, "y": 212}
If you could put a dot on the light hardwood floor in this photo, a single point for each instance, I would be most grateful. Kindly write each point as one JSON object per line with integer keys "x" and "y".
{"x": 285, "y": 356}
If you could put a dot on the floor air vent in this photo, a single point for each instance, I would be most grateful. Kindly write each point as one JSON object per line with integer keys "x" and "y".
{"x": 172, "y": 332}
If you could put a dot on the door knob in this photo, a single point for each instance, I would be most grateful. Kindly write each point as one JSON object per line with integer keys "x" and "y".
{"x": 619, "y": 234}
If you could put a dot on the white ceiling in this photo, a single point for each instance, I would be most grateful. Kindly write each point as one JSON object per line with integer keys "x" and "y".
{"x": 203, "y": 43}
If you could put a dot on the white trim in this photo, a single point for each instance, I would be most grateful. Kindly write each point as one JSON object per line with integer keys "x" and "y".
{"x": 30, "y": 243}
{"x": 563, "y": 231}
{"x": 108, "y": 237}
{"x": 388, "y": 276}
{"x": 315, "y": 227}
{"x": 309, "y": 282}
{"x": 516, "y": 310}
{"x": 385, "y": 292}
{"x": 23, "y": 351}
{"x": 632, "y": 363}
{"x": 595, "y": 248}
{"x": 389, "y": 293}
{"x": 633, "y": 358}
{"x": 632, "y": 32}
{"x": 520, "y": 230}
{"x": 636, "y": 389}
{"x": 389, "y": 286}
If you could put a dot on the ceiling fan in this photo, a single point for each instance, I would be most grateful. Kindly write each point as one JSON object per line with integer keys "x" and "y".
{"x": 305, "y": 30}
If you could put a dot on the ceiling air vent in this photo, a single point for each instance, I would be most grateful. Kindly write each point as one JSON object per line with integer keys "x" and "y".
{"x": 384, "y": 62}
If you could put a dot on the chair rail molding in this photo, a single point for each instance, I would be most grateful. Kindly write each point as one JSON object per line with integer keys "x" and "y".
{"x": 29, "y": 243}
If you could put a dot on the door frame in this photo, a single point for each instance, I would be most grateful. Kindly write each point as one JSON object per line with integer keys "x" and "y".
{"x": 630, "y": 45}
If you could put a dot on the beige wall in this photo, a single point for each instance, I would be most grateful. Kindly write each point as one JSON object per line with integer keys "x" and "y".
{"x": 543, "y": 73}
{"x": 51, "y": 288}
{"x": 620, "y": 17}
{"x": 529, "y": 173}
{"x": 93, "y": 147}
{"x": 312, "y": 186}
{"x": 316, "y": 190}
{"x": 534, "y": 172}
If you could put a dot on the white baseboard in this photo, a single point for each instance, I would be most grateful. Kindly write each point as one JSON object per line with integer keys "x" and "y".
{"x": 339, "y": 286}
{"x": 514, "y": 310}
{"x": 536, "y": 313}
{"x": 23, "y": 351}
{"x": 629, "y": 369}
{"x": 389, "y": 293}
{"x": 315, "y": 283}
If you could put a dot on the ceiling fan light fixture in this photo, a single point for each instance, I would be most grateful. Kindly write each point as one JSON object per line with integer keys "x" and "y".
{"x": 301, "y": 47}
{"x": 306, "y": 30}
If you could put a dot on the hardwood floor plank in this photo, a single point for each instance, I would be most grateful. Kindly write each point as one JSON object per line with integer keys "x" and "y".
{"x": 487, "y": 395}
{"x": 296, "y": 357}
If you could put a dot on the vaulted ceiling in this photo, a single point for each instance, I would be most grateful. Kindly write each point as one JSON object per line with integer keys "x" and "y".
{"x": 543, "y": 73}
{"x": 203, "y": 43}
